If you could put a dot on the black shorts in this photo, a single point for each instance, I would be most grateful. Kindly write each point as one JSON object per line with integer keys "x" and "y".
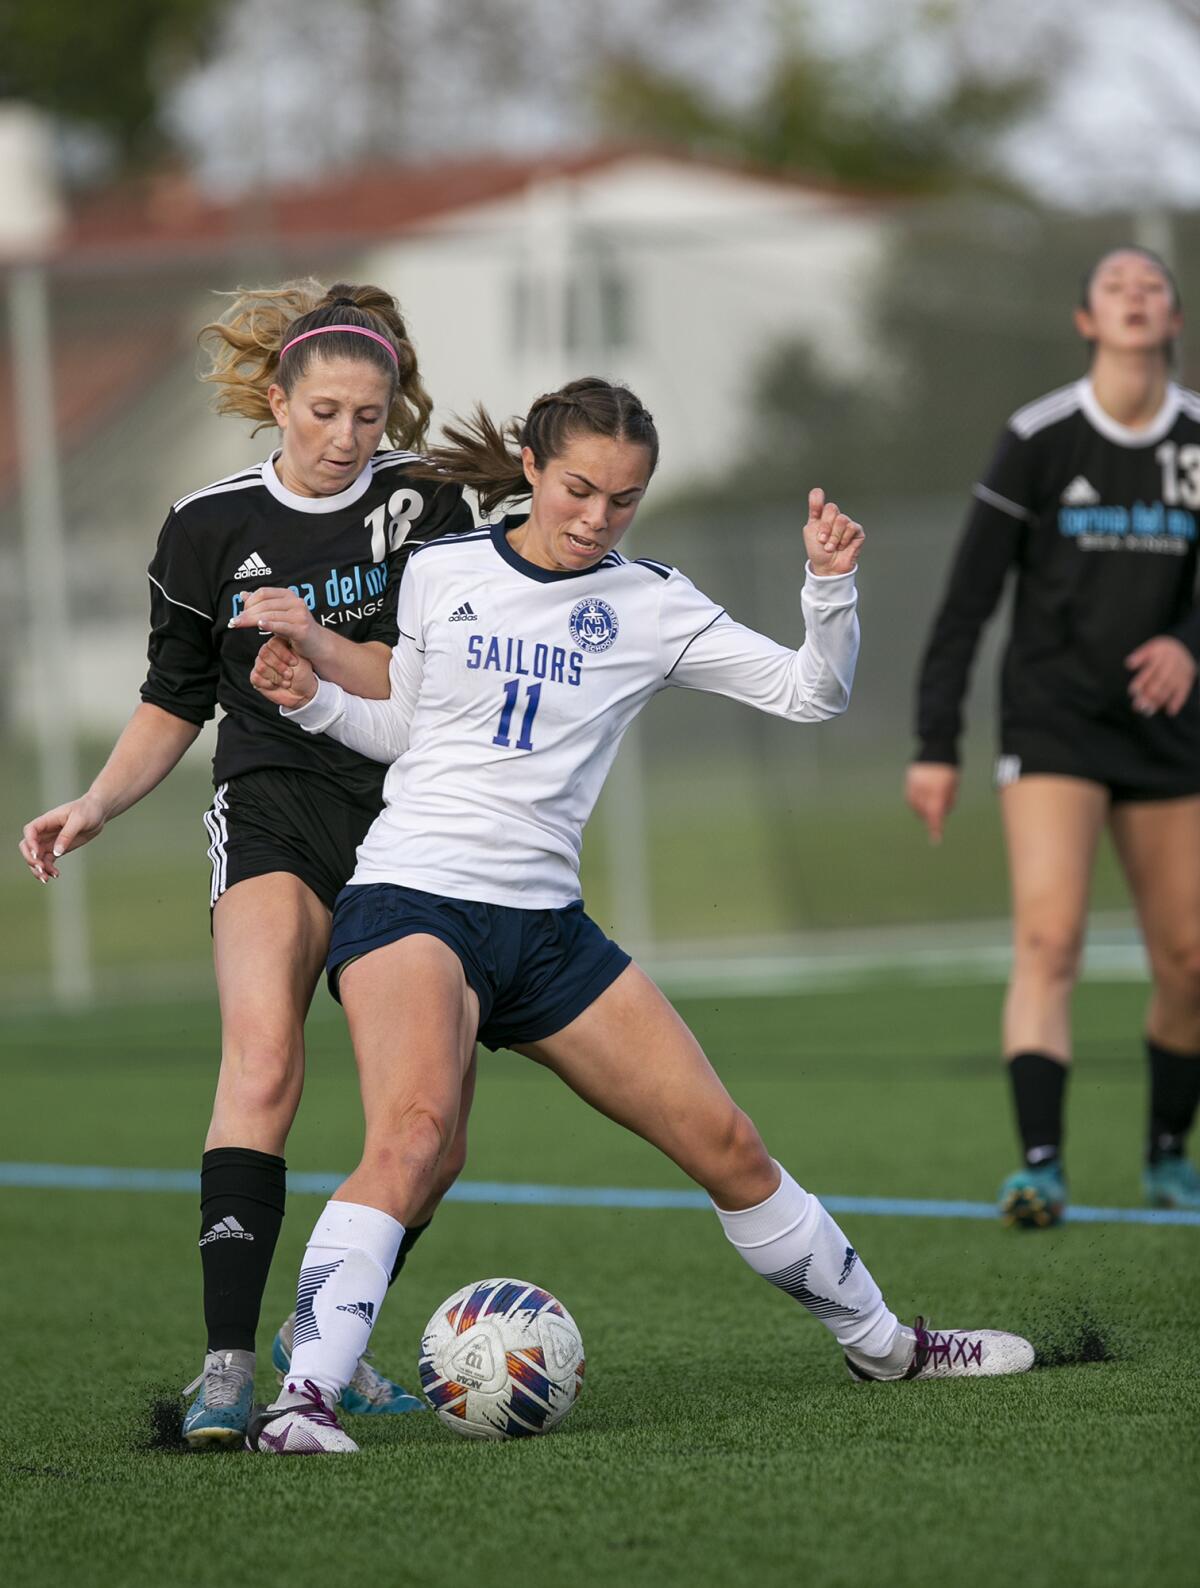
{"x": 533, "y": 971}
{"x": 1132, "y": 770}
{"x": 281, "y": 820}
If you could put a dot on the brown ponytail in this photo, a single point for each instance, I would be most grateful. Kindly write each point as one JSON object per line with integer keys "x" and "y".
{"x": 486, "y": 457}
{"x": 243, "y": 349}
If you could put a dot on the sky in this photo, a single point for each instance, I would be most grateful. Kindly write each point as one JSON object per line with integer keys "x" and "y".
{"x": 297, "y": 85}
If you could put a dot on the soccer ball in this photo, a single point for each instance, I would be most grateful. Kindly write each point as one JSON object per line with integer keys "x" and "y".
{"x": 501, "y": 1359}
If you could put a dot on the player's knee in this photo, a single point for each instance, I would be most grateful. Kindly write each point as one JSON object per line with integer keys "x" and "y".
{"x": 746, "y": 1159}
{"x": 1051, "y": 952}
{"x": 1179, "y": 967}
{"x": 261, "y": 1081}
{"x": 411, "y": 1146}
{"x": 453, "y": 1162}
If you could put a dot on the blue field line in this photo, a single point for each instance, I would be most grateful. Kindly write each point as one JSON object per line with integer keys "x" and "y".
{"x": 85, "y": 1177}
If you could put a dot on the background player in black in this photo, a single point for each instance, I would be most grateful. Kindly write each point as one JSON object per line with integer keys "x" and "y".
{"x": 1092, "y": 496}
{"x": 308, "y": 545}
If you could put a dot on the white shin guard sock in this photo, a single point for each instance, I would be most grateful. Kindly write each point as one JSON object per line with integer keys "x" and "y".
{"x": 343, "y": 1280}
{"x": 790, "y": 1240}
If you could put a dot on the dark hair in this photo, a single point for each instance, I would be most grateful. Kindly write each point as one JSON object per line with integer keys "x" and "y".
{"x": 478, "y": 453}
{"x": 244, "y": 346}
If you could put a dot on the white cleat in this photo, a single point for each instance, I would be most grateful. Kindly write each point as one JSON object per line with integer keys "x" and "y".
{"x": 300, "y": 1423}
{"x": 920, "y": 1352}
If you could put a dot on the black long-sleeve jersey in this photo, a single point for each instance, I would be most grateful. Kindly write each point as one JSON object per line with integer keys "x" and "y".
{"x": 343, "y": 555}
{"x": 1099, "y": 521}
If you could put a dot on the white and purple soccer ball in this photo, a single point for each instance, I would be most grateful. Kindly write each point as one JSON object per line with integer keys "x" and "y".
{"x": 501, "y": 1359}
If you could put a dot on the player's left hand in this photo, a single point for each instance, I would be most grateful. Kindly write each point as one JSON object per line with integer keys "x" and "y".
{"x": 283, "y": 613}
{"x": 831, "y": 539}
{"x": 282, "y": 676}
{"x": 1164, "y": 674}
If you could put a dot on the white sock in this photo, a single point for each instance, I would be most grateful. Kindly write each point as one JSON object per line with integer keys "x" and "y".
{"x": 343, "y": 1280}
{"x": 790, "y": 1240}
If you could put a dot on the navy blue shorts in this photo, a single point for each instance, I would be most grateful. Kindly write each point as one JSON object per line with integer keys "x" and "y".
{"x": 533, "y": 971}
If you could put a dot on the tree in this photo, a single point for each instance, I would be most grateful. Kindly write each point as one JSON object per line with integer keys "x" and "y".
{"x": 106, "y": 67}
{"x": 843, "y": 118}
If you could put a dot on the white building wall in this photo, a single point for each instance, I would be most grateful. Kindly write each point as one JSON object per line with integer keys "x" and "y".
{"x": 718, "y": 269}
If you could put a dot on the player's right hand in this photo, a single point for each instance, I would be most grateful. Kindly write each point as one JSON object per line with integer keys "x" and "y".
{"x": 57, "y": 832}
{"x": 931, "y": 789}
{"x": 282, "y": 613}
{"x": 283, "y": 677}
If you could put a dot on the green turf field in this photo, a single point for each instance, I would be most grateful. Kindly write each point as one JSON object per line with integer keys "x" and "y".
{"x": 717, "y": 1441}
{"x": 725, "y": 855}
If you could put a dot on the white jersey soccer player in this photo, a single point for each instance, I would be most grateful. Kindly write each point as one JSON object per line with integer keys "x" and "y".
{"x": 525, "y": 651}
{"x": 512, "y": 689}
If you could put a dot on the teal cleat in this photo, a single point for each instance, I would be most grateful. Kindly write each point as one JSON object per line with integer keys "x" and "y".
{"x": 1034, "y": 1198}
{"x": 217, "y": 1419}
{"x": 368, "y": 1393}
{"x": 1172, "y": 1183}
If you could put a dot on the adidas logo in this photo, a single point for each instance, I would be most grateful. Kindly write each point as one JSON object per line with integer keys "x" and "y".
{"x": 359, "y": 1309}
{"x": 464, "y": 614}
{"x": 1080, "y": 493}
{"x": 848, "y": 1265}
{"x": 226, "y": 1229}
{"x": 253, "y": 568}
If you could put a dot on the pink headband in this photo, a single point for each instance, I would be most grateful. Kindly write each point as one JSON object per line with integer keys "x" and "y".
{"x": 358, "y": 330}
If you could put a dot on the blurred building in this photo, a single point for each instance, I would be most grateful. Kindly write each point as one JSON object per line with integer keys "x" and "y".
{"x": 673, "y": 274}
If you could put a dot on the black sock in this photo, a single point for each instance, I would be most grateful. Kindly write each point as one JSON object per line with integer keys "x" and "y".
{"x": 1038, "y": 1083}
{"x": 1174, "y": 1094}
{"x": 407, "y": 1241}
{"x": 241, "y": 1209}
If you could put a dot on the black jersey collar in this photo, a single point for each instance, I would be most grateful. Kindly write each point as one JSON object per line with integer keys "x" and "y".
{"x": 531, "y": 570}
{"x": 315, "y": 504}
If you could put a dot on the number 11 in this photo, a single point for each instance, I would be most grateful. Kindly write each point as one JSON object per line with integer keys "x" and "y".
{"x": 511, "y": 691}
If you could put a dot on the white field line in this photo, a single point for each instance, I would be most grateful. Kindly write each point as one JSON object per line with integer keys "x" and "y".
{"x": 969, "y": 951}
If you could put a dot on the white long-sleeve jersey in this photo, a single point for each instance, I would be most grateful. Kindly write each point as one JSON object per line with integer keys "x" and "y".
{"x": 511, "y": 687}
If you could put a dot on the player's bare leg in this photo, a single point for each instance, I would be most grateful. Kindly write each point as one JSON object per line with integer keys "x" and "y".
{"x": 265, "y": 988}
{"x": 1052, "y": 826}
{"x": 370, "y": 1392}
{"x": 1159, "y": 847}
{"x": 413, "y": 1021}
{"x": 631, "y": 1057}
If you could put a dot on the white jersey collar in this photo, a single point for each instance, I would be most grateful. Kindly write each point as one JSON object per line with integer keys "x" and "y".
{"x": 1128, "y": 435}
{"x": 314, "y": 504}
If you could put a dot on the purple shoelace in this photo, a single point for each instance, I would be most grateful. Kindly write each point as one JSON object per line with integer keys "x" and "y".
{"x": 948, "y": 1350}
{"x": 314, "y": 1407}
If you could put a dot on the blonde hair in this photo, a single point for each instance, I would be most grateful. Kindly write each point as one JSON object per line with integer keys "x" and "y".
{"x": 244, "y": 344}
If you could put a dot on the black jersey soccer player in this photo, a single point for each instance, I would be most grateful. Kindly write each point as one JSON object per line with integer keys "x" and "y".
{"x": 1092, "y": 497}
{"x": 309, "y": 545}
{"x": 526, "y": 648}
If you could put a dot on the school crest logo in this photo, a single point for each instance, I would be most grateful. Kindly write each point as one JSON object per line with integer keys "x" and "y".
{"x": 593, "y": 625}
